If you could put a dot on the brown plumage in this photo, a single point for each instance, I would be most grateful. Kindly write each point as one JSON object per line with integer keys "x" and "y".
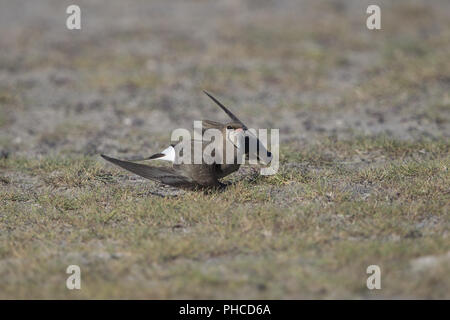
{"x": 192, "y": 176}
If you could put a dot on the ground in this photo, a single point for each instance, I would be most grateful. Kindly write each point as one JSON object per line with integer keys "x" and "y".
{"x": 364, "y": 119}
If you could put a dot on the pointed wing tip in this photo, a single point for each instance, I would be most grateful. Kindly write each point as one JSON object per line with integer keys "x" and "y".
{"x": 228, "y": 112}
{"x": 156, "y": 156}
{"x": 104, "y": 156}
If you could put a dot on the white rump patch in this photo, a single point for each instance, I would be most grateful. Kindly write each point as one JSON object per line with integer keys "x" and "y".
{"x": 169, "y": 154}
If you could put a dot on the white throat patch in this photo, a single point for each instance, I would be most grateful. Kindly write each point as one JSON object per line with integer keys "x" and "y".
{"x": 235, "y": 137}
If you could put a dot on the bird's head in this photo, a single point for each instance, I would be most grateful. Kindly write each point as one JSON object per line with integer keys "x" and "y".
{"x": 241, "y": 137}
{"x": 245, "y": 140}
{"x": 234, "y": 133}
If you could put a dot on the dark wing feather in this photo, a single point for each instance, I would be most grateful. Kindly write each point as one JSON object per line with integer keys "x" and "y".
{"x": 165, "y": 175}
{"x": 228, "y": 112}
{"x": 209, "y": 124}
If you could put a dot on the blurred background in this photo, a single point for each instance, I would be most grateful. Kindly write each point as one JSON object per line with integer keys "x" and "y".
{"x": 137, "y": 69}
{"x": 364, "y": 119}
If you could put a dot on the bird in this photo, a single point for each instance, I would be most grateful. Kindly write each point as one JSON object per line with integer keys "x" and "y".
{"x": 202, "y": 175}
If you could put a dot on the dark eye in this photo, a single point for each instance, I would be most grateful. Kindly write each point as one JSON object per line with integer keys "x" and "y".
{"x": 229, "y": 127}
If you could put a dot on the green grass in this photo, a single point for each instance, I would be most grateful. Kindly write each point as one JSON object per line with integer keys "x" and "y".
{"x": 310, "y": 231}
{"x": 345, "y": 196}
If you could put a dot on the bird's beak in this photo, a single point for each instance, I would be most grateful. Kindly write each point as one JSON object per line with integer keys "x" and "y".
{"x": 256, "y": 151}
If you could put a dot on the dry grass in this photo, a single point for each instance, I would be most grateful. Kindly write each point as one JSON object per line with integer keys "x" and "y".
{"x": 364, "y": 127}
{"x": 308, "y": 232}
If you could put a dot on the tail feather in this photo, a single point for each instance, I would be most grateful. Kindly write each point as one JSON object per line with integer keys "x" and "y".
{"x": 165, "y": 175}
{"x": 167, "y": 154}
{"x": 156, "y": 156}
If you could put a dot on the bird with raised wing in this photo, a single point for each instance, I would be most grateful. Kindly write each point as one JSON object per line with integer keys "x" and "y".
{"x": 191, "y": 175}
